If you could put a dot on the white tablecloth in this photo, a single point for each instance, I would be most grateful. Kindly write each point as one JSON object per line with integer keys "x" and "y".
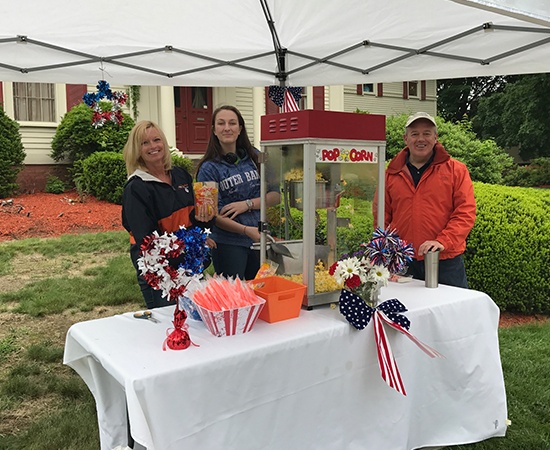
{"x": 307, "y": 383}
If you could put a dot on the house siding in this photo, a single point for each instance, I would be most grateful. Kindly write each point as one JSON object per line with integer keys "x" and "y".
{"x": 154, "y": 105}
{"x": 392, "y": 102}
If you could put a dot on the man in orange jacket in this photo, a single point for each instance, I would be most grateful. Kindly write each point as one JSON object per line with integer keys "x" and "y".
{"x": 430, "y": 200}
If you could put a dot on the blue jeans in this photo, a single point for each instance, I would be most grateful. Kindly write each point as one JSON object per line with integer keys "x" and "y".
{"x": 451, "y": 271}
{"x": 236, "y": 260}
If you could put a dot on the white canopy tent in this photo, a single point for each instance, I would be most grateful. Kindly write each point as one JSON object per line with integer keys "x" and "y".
{"x": 265, "y": 42}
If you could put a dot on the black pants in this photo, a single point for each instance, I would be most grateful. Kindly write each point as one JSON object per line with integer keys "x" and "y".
{"x": 235, "y": 260}
{"x": 153, "y": 297}
{"x": 451, "y": 271}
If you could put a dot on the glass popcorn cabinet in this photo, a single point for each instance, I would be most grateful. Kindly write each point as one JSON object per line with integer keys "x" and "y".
{"x": 327, "y": 166}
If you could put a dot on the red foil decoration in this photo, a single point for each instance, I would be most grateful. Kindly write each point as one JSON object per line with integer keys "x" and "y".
{"x": 179, "y": 338}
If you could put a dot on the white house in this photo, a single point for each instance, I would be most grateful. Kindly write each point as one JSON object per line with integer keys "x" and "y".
{"x": 185, "y": 113}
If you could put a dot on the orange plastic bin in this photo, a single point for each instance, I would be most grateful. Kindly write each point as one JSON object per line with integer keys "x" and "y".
{"x": 283, "y": 298}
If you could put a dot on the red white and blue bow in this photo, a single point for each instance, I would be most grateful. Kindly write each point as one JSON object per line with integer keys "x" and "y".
{"x": 285, "y": 97}
{"x": 358, "y": 313}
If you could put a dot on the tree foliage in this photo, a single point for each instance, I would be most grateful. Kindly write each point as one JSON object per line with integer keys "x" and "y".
{"x": 518, "y": 116}
{"x": 486, "y": 161}
{"x": 536, "y": 174}
{"x": 12, "y": 154}
{"x": 459, "y": 97}
{"x": 76, "y": 138}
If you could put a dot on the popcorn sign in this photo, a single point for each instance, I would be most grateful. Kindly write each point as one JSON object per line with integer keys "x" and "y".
{"x": 346, "y": 155}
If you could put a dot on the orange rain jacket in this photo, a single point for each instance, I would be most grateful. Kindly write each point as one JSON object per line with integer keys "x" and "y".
{"x": 441, "y": 207}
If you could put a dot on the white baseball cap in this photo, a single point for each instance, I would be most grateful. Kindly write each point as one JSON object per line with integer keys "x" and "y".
{"x": 419, "y": 115}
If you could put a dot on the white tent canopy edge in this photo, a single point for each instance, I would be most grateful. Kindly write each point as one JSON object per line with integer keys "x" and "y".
{"x": 220, "y": 43}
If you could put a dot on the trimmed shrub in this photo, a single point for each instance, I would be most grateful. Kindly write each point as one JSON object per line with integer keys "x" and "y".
{"x": 182, "y": 161}
{"x": 12, "y": 154}
{"x": 76, "y": 138}
{"x": 103, "y": 175}
{"x": 508, "y": 252}
{"x": 54, "y": 185}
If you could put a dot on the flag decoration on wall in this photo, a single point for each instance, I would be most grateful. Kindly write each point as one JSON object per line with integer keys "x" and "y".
{"x": 285, "y": 97}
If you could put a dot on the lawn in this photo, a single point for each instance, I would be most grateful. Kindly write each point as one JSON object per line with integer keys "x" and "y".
{"x": 47, "y": 285}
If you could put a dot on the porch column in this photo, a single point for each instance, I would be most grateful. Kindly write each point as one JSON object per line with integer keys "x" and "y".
{"x": 167, "y": 114}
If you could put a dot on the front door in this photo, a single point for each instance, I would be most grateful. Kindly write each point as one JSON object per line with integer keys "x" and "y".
{"x": 193, "y": 108}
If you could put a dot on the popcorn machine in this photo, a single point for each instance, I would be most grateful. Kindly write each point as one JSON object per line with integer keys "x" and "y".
{"x": 327, "y": 166}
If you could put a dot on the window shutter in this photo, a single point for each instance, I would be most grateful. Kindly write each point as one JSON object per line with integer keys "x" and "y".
{"x": 423, "y": 90}
{"x": 75, "y": 92}
{"x": 405, "y": 90}
{"x": 380, "y": 89}
{"x": 319, "y": 97}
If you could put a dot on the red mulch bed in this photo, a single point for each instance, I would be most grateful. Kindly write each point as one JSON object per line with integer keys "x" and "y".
{"x": 50, "y": 215}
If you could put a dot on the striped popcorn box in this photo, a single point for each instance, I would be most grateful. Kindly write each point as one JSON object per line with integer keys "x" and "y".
{"x": 231, "y": 321}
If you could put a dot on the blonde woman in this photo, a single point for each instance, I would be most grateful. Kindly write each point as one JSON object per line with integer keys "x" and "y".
{"x": 157, "y": 196}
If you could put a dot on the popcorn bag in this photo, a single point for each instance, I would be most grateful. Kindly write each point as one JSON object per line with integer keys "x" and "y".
{"x": 206, "y": 196}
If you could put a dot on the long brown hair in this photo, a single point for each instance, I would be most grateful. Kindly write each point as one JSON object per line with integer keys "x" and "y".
{"x": 214, "y": 148}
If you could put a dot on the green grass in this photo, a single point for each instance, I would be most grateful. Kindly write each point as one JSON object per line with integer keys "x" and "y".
{"x": 110, "y": 281}
{"x": 59, "y": 409}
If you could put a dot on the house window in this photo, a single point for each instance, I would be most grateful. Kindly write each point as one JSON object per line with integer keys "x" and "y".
{"x": 303, "y": 100}
{"x": 368, "y": 88}
{"x": 34, "y": 102}
{"x": 413, "y": 88}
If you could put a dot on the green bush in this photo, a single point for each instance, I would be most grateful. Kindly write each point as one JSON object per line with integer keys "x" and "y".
{"x": 12, "y": 154}
{"x": 508, "y": 252}
{"x": 182, "y": 161}
{"x": 76, "y": 138}
{"x": 103, "y": 175}
{"x": 54, "y": 185}
{"x": 486, "y": 161}
{"x": 537, "y": 173}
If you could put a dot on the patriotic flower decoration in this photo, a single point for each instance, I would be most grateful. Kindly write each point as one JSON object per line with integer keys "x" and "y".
{"x": 359, "y": 275}
{"x": 385, "y": 248}
{"x": 185, "y": 248}
{"x": 117, "y": 99}
{"x": 362, "y": 274}
{"x": 366, "y": 270}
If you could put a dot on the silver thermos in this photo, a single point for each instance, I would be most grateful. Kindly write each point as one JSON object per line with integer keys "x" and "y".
{"x": 431, "y": 268}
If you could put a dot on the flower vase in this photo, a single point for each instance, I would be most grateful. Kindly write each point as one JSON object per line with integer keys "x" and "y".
{"x": 374, "y": 296}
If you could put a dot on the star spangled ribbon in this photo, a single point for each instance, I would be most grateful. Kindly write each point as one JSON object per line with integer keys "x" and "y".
{"x": 359, "y": 314}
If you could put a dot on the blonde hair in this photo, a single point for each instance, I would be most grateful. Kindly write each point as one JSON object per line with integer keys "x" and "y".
{"x": 132, "y": 149}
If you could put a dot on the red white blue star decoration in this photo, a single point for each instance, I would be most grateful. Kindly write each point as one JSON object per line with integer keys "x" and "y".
{"x": 117, "y": 99}
{"x": 387, "y": 249}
